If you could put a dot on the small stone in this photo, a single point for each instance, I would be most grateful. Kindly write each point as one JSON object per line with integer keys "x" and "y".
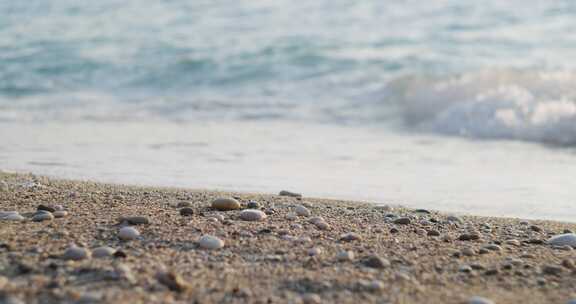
{"x": 252, "y": 215}
{"x": 513, "y": 242}
{"x": 210, "y": 242}
{"x": 394, "y": 230}
{"x": 225, "y": 204}
{"x": 402, "y": 221}
{"x": 425, "y": 211}
{"x": 46, "y": 208}
{"x": 291, "y": 216}
{"x": 469, "y": 237}
{"x": 58, "y": 207}
{"x": 568, "y": 239}
{"x": 103, "y": 252}
{"x": 491, "y": 272}
{"x": 43, "y": 216}
{"x": 468, "y": 251}
{"x": 551, "y": 270}
{"x": 75, "y": 253}
{"x": 218, "y": 217}
{"x": 128, "y": 233}
{"x": 454, "y": 219}
{"x": 290, "y": 194}
{"x": 322, "y": 225}
{"x": 11, "y": 216}
{"x": 183, "y": 204}
{"x": 123, "y": 272}
{"x": 345, "y": 256}
{"x": 315, "y": 220}
{"x": 136, "y": 220}
{"x": 465, "y": 268}
{"x": 535, "y": 228}
{"x": 493, "y": 247}
{"x": 433, "y": 233}
{"x": 311, "y": 298}
{"x": 374, "y": 261}
{"x": 349, "y": 237}
{"x": 186, "y": 211}
{"x": 314, "y": 251}
{"x": 60, "y": 213}
{"x": 302, "y": 211}
{"x": 374, "y": 286}
{"x": 568, "y": 264}
{"x": 253, "y": 205}
{"x": 479, "y": 300}
{"x": 173, "y": 281}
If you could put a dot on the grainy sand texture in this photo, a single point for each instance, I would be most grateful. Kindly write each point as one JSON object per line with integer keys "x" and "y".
{"x": 84, "y": 242}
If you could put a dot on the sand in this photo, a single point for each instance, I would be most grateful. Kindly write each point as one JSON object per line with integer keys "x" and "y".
{"x": 282, "y": 258}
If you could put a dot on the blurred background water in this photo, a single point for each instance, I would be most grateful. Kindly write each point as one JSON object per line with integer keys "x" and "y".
{"x": 458, "y": 106}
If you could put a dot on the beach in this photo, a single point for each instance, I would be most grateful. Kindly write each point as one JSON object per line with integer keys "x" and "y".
{"x": 294, "y": 250}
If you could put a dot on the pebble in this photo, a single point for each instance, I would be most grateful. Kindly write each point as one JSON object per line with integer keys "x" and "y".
{"x": 493, "y": 247}
{"x": 433, "y": 233}
{"x": 218, "y": 217}
{"x": 291, "y": 194}
{"x": 75, "y": 253}
{"x": 314, "y": 251}
{"x": 46, "y": 208}
{"x": 568, "y": 239}
{"x": 535, "y": 228}
{"x": 128, "y": 233}
{"x": 551, "y": 269}
{"x": 568, "y": 264}
{"x": 402, "y": 221}
{"x": 469, "y": 237}
{"x": 173, "y": 281}
{"x": 103, "y": 252}
{"x": 210, "y": 242}
{"x": 60, "y": 213}
{"x": 304, "y": 239}
{"x": 322, "y": 225}
{"x": 302, "y": 211}
{"x": 345, "y": 256}
{"x": 252, "y": 215}
{"x": 316, "y": 219}
{"x": 374, "y": 261}
{"x": 136, "y": 220}
{"x": 465, "y": 268}
{"x": 184, "y": 204}
{"x": 349, "y": 237}
{"x": 11, "y": 216}
{"x": 253, "y": 205}
{"x": 468, "y": 251}
{"x": 42, "y": 216}
{"x": 479, "y": 300}
{"x": 291, "y": 216}
{"x": 225, "y": 204}
{"x": 311, "y": 298}
{"x": 513, "y": 242}
{"x": 454, "y": 219}
{"x": 186, "y": 211}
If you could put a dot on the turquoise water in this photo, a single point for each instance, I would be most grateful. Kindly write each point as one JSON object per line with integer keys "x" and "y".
{"x": 420, "y": 65}
{"x": 464, "y": 106}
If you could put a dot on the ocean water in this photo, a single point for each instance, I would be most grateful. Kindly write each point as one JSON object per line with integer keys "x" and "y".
{"x": 450, "y": 105}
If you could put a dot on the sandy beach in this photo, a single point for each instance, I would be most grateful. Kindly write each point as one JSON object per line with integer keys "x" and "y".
{"x": 179, "y": 248}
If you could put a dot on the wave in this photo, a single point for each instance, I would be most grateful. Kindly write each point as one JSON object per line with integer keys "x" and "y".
{"x": 537, "y": 106}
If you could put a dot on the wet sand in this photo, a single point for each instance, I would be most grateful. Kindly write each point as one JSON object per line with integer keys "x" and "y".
{"x": 394, "y": 255}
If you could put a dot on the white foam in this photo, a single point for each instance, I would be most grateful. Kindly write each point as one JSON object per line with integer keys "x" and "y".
{"x": 504, "y": 104}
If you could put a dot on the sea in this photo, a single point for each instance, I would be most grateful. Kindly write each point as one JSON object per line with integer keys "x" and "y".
{"x": 466, "y": 107}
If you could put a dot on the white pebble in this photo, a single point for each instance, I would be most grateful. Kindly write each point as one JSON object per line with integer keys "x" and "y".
{"x": 60, "y": 213}
{"x": 314, "y": 251}
{"x": 302, "y": 211}
{"x": 210, "y": 242}
{"x": 103, "y": 252}
{"x": 291, "y": 216}
{"x": 75, "y": 253}
{"x": 304, "y": 239}
{"x": 128, "y": 233}
{"x": 345, "y": 255}
{"x": 252, "y": 215}
{"x": 315, "y": 220}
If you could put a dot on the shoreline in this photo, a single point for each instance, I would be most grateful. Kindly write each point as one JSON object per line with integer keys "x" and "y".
{"x": 341, "y": 252}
